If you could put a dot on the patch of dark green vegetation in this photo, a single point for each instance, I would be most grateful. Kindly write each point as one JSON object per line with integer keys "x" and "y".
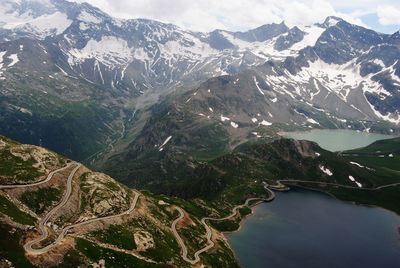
{"x": 387, "y": 169}
{"x": 191, "y": 207}
{"x": 382, "y": 156}
{"x": 193, "y": 235}
{"x": 86, "y": 121}
{"x": 72, "y": 258}
{"x": 165, "y": 245}
{"x": 11, "y": 210}
{"x": 15, "y": 167}
{"x": 45, "y": 242}
{"x": 205, "y": 156}
{"x": 253, "y": 202}
{"x": 10, "y": 248}
{"x": 231, "y": 225}
{"x": 42, "y": 199}
{"x": 82, "y": 185}
{"x": 380, "y": 147}
{"x": 185, "y": 149}
{"x": 244, "y": 211}
{"x": 111, "y": 186}
{"x": 117, "y": 235}
{"x": 226, "y": 226}
{"x": 112, "y": 258}
{"x": 9, "y": 141}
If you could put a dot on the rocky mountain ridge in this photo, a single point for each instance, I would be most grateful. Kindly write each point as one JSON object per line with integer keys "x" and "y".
{"x": 54, "y": 211}
{"x": 331, "y": 74}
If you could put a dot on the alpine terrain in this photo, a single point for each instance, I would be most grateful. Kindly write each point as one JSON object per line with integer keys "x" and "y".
{"x": 132, "y": 142}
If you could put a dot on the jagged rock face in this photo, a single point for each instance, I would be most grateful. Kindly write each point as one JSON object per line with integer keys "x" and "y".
{"x": 287, "y": 40}
{"x": 137, "y": 55}
{"x": 129, "y": 57}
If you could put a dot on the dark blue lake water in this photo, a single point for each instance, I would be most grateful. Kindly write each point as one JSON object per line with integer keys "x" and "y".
{"x": 303, "y": 228}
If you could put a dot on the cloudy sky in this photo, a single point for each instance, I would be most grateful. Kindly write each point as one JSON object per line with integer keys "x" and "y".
{"x": 207, "y": 15}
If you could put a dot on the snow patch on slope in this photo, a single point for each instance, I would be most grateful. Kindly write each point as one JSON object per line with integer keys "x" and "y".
{"x": 338, "y": 78}
{"x": 264, "y": 50}
{"x": 164, "y": 143}
{"x": 14, "y": 59}
{"x": 332, "y": 21}
{"x": 87, "y": 17}
{"x": 356, "y": 164}
{"x": 234, "y": 125}
{"x": 354, "y": 180}
{"x": 312, "y": 121}
{"x": 391, "y": 117}
{"x": 2, "y": 53}
{"x": 223, "y": 118}
{"x": 327, "y": 171}
{"x": 313, "y": 32}
{"x": 175, "y": 49}
{"x": 265, "y": 123}
{"x": 259, "y": 89}
{"x": 110, "y": 51}
{"x": 42, "y": 26}
{"x": 140, "y": 54}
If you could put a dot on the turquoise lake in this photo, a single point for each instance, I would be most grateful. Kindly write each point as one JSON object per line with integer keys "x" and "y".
{"x": 338, "y": 140}
{"x": 303, "y": 228}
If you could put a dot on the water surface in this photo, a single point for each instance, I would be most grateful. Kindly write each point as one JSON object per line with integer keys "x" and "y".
{"x": 303, "y": 228}
{"x": 338, "y": 139}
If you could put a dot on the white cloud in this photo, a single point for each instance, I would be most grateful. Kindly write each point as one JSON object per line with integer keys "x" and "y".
{"x": 307, "y": 13}
{"x": 207, "y": 15}
{"x": 388, "y": 15}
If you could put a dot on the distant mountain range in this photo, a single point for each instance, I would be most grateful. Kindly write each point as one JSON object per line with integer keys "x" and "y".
{"x": 71, "y": 70}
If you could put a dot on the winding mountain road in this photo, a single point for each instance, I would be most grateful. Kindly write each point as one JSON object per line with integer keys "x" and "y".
{"x": 28, "y": 246}
{"x": 49, "y": 177}
{"x": 43, "y": 222}
{"x": 45, "y": 234}
{"x": 234, "y": 212}
{"x": 210, "y": 243}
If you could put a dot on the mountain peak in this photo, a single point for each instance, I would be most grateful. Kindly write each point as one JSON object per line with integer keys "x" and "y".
{"x": 264, "y": 32}
{"x": 331, "y": 21}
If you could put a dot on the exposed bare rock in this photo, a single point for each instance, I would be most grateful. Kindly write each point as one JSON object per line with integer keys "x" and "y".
{"x": 45, "y": 160}
{"x": 143, "y": 240}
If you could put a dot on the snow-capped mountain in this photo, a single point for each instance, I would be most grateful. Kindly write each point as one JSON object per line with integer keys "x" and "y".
{"x": 141, "y": 54}
{"x": 36, "y": 19}
{"x": 75, "y": 52}
{"x": 137, "y": 55}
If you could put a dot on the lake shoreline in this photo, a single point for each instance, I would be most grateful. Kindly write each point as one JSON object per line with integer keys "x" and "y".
{"x": 346, "y": 201}
{"x": 283, "y": 133}
{"x": 318, "y": 190}
{"x": 254, "y": 232}
{"x": 257, "y": 229}
{"x": 252, "y": 207}
{"x": 336, "y": 140}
